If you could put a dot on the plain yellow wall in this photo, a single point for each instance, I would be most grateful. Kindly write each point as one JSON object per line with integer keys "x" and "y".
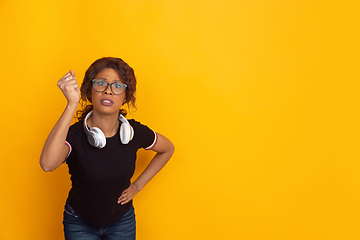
{"x": 260, "y": 98}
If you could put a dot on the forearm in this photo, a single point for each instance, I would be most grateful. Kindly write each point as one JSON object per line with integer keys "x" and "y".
{"x": 156, "y": 164}
{"x": 52, "y": 154}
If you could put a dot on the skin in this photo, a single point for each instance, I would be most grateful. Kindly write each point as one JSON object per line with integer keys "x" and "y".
{"x": 104, "y": 117}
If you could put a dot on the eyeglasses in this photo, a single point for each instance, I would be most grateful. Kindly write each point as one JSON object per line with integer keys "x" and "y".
{"x": 117, "y": 88}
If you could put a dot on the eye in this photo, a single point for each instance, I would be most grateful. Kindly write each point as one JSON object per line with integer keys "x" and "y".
{"x": 118, "y": 85}
{"x": 100, "y": 82}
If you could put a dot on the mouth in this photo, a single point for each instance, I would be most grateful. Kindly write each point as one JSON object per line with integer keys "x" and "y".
{"x": 106, "y": 102}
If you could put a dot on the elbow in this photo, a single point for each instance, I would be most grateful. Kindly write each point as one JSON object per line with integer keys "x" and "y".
{"x": 46, "y": 167}
{"x": 171, "y": 149}
{"x": 168, "y": 151}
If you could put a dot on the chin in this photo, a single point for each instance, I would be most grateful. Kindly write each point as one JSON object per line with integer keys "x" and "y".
{"x": 107, "y": 110}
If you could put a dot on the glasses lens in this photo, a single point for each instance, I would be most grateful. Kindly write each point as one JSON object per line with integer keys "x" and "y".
{"x": 99, "y": 85}
{"x": 118, "y": 88}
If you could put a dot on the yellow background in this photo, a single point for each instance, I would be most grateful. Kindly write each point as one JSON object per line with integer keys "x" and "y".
{"x": 260, "y": 98}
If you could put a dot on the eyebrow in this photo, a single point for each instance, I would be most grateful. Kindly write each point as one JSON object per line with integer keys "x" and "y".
{"x": 106, "y": 79}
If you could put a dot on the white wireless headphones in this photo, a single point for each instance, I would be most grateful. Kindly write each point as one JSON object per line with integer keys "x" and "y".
{"x": 96, "y": 137}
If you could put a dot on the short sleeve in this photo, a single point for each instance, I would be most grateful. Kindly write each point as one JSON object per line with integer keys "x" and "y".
{"x": 71, "y": 139}
{"x": 146, "y": 137}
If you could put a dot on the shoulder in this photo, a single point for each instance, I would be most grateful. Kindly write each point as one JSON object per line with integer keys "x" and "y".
{"x": 75, "y": 130}
{"x": 77, "y": 126}
{"x": 134, "y": 123}
{"x": 138, "y": 126}
{"x": 143, "y": 134}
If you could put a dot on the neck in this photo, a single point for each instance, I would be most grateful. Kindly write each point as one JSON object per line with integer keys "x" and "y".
{"x": 108, "y": 124}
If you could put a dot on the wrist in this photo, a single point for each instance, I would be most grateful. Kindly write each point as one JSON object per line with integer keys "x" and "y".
{"x": 72, "y": 105}
{"x": 137, "y": 186}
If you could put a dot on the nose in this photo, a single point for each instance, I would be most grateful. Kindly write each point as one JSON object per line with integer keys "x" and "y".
{"x": 108, "y": 90}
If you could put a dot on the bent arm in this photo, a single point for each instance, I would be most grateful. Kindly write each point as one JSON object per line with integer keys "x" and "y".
{"x": 164, "y": 149}
{"x": 54, "y": 151}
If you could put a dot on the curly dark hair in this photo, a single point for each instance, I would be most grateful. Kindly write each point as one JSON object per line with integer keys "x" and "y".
{"x": 126, "y": 74}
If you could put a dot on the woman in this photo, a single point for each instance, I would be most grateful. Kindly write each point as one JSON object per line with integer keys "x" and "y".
{"x": 100, "y": 150}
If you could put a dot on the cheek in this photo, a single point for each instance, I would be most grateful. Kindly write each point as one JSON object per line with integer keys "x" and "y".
{"x": 94, "y": 93}
{"x": 121, "y": 99}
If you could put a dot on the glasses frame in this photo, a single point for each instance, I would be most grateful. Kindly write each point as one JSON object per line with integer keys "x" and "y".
{"x": 107, "y": 85}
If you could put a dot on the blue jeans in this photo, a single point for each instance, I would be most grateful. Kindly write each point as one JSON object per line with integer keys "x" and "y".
{"x": 77, "y": 228}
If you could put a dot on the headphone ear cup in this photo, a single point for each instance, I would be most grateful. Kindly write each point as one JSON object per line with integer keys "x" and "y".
{"x": 96, "y": 137}
{"x": 125, "y": 133}
{"x": 91, "y": 139}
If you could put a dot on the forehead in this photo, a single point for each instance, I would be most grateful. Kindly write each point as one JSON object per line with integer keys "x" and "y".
{"x": 109, "y": 74}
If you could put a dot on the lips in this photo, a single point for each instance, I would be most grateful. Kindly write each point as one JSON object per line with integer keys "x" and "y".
{"x": 106, "y": 102}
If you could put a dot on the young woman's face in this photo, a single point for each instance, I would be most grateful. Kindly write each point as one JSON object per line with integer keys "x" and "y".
{"x": 107, "y": 102}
